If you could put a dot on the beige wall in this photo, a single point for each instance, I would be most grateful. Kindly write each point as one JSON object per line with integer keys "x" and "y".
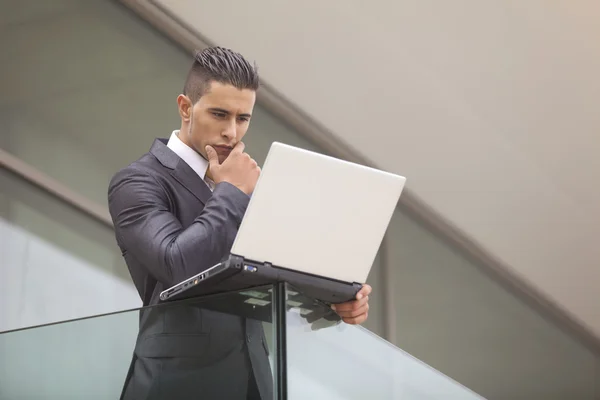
{"x": 489, "y": 108}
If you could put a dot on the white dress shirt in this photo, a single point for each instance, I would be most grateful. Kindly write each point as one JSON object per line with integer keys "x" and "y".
{"x": 198, "y": 163}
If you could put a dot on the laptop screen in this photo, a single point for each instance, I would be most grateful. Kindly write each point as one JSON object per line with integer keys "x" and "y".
{"x": 317, "y": 214}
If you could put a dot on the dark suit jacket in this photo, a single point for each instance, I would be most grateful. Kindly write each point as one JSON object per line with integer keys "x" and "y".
{"x": 169, "y": 227}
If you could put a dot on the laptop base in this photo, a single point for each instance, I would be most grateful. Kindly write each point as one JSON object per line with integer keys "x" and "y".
{"x": 236, "y": 273}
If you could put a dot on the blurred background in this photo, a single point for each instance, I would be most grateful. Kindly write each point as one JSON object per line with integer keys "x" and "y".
{"x": 490, "y": 269}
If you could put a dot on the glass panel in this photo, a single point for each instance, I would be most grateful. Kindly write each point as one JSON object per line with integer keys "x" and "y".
{"x": 107, "y": 88}
{"x": 195, "y": 358}
{"x": 55, "y": 262}
{"x": 328, "y": 359}
{"x": 456, "y": 318}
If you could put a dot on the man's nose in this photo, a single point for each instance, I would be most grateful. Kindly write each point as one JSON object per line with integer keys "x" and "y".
{"x": 230, "y": 131}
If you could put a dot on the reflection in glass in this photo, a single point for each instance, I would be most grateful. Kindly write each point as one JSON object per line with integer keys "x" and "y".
{"x": 328, "y": 359}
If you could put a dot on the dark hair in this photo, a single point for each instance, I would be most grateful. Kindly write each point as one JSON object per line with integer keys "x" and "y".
{"x": 220, "y": 65}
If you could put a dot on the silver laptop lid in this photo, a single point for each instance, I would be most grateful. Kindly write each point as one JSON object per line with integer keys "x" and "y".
{"x": 317, "y": 214}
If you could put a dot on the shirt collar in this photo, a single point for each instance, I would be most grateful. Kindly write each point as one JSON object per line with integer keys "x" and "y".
{"x": 198, "y": 163}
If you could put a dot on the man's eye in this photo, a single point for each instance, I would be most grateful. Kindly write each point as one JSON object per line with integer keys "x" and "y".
{"x": 243, "y": 119}
{"x": 219, "y": 115}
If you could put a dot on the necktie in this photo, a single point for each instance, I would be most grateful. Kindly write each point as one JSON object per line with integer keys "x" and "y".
{"x": 210, "y": 183}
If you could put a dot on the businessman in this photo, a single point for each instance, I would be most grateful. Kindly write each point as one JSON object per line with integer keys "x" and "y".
{"x": 176, "y": 212}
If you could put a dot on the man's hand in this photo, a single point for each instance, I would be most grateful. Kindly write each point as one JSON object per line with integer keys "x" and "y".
{"x": 356, "y": 311}
{"x": 239, "y": 168}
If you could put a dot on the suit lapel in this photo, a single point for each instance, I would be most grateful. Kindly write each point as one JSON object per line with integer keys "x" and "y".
{"x": 185, "y": 175}
{"x": 180, "y": 170}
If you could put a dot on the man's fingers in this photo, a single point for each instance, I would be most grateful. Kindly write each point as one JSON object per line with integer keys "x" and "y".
{"x": 356, "y": 320}
{"x": 353, "y": 308}
{"x": 351, "y": 305}
{"x": 239, "y": 148}
{"x": 364, "y": 292}
{"x": 356, "y": 311}
{"x": 213, "y": 157}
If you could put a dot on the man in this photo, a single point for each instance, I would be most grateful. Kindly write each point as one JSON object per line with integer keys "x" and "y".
{"x": 176, "y": 212}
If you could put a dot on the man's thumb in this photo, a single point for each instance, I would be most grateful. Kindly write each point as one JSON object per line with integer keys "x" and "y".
{"x": 212, "y": 155}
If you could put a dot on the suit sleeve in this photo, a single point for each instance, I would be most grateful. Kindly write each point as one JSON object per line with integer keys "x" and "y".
{"x": 139, "y": 207}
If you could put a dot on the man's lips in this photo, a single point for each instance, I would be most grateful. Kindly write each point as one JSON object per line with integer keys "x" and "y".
{"x": 222, "y": 146}
{"x": 223, "y": 150}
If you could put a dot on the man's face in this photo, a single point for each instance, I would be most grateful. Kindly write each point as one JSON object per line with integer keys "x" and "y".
{"x": 220, "y": 119}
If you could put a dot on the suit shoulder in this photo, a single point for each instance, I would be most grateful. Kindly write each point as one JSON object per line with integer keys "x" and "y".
{"x": 147, "y": 164}
{"x": 145, "y": 169}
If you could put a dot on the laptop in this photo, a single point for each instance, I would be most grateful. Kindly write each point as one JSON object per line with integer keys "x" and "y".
{"x": 313, "y": 221}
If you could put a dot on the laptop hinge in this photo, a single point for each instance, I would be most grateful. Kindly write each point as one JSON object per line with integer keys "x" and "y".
{"x": 243, "y": 259}
{"x": 236, "y": 261}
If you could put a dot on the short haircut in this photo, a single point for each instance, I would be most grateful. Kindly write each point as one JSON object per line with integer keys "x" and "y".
{"x": 220, "y": 65}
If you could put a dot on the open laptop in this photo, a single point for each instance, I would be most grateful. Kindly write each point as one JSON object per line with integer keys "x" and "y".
{"x": 313, "y": 221}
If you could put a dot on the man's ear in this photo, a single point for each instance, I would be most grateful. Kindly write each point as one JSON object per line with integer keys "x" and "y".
{"x": 184, "y": 104}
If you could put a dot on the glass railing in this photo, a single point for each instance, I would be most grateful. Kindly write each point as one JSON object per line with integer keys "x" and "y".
{"x": 218, "y": 347}
{"x": 328, "y": 359}
{"x": 192, "y": 348}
